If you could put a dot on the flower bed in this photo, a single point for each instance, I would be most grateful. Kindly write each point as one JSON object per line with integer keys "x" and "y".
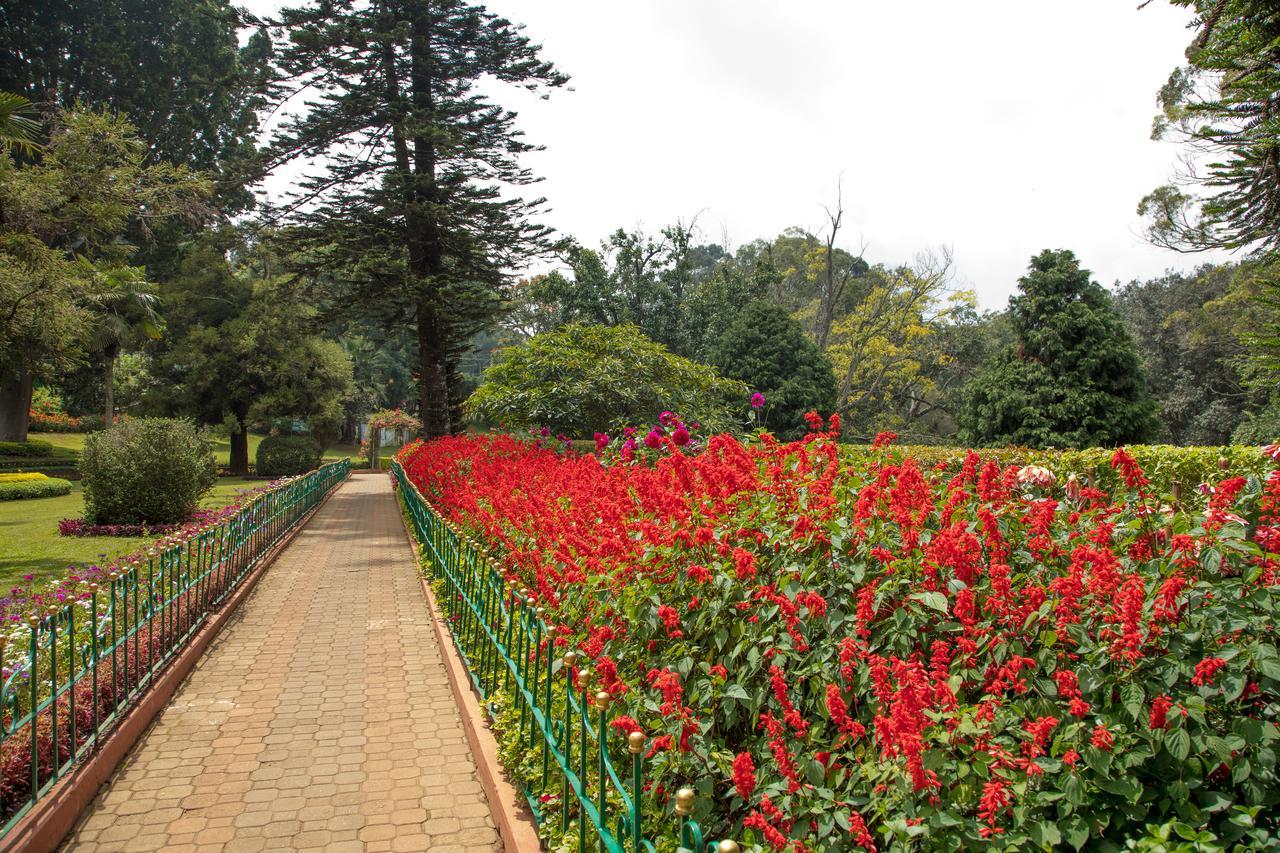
{"x": 80, "y": 527}
{"x": 26, "y": 486}
{"x": 868, "y": 652}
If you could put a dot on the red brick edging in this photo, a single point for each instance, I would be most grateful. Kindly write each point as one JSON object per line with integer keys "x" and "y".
{"x": 56, "y": 814}
{"x": 510, "y": 814}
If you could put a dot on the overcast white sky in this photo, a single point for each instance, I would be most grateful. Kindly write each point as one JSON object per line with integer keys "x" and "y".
{"x": 998, "y": 128}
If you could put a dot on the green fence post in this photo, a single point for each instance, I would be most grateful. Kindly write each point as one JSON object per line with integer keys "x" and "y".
{"x": 635, "y": 745}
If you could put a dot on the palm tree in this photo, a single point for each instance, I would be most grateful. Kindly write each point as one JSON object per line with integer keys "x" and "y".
{"x": 19, "y": 128}
{"x": 124, "y": 305}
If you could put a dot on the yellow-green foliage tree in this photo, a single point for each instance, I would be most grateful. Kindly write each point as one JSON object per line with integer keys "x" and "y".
{"x": 885, "y": 348}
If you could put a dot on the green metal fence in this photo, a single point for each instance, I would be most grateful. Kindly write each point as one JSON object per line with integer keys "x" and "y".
{"x": 87, "y": 661}
{"x": 499, "y": 633}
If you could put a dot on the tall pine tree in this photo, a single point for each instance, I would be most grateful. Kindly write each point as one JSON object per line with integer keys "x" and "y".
{"x": 411, "y": 213}
{"x": 1073, "y": 379}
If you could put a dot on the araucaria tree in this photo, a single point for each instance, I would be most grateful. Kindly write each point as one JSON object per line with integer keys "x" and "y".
{"x": 1073, "y": 379}
{"x": 1225, "y": 104}
{"x": 413, "y": 215}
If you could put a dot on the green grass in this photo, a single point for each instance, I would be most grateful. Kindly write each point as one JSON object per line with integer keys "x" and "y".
{"x": 74, "y": 441}
{"x": 30, "y": 544}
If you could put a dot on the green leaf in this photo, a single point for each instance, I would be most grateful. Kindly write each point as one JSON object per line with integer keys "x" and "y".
{"x": 1133, "y": 698}
{"x": 1178, "y": 742}
{"x": 1074, "y": 789}
{"x": 935, "y": 600}
{"x": 1270, "y": 667}
{"x": 1044, "y": 833}
{"x": 1077, "y": 831}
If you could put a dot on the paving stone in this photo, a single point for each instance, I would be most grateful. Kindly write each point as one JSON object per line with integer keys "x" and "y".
{"x": 321, "y": 718}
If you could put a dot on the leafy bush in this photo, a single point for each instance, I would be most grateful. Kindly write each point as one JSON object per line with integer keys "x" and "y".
{"x": 40, "y": 487}
{"x": 146, "y": 470}
{"x": 580, "y": 379}
{"x": 288, "y": 455}
{"x": 840, "y": 653}
{"x": 25, "y": 448}
{"x": 57, "y": 422}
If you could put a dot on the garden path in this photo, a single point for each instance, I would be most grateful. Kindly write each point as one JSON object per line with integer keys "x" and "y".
{"x": 321, "y": 718}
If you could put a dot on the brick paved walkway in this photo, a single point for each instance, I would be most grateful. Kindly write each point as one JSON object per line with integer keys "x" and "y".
{"x": 321, "y": 718}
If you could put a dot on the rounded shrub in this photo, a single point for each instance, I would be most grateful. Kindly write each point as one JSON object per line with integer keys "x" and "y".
{"x": 146, "y": 471}
{"x": 17, "y": 487}
{"x": 287, "y": 455}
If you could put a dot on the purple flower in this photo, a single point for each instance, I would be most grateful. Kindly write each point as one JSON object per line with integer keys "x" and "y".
{"x": 757, "y": 400}
{"x": 602, "y": 441}
{"x": 666, "y": 418}
{"x": 680, "y": 436}
{"x": 653, "y": 439}
{"x": 546, "y": 431}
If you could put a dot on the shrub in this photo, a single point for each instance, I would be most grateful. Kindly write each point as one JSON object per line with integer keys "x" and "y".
{"x": 581, "y": 379}
{"x": 288, "y": 455}
{"x": 25, "y": 448}
{"x": 146, "y": 470}
{"x": 842, "y": 652}
{"x": 40, "y": 487}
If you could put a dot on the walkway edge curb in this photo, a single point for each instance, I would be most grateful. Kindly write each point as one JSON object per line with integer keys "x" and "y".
{"x": 515, "y": 824}
{"x": 57, "y": 813}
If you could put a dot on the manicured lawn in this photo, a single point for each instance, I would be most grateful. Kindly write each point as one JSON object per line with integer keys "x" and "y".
{"x": 30, "y": 544}
{"x": 221, "y": 446}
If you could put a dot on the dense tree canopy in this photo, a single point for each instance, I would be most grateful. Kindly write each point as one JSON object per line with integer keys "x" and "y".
{"x": 241, "y": 351}
{"x": 1073, "y": 379}
{"x": 579, "y": 379}
{"x": 175, "y": 68}
{"x": 62, "y": 246}
{"x": 769, "y": 351}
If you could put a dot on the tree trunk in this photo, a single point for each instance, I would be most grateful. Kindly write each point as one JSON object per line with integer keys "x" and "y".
{"x": 239, "y": 463}
{"x": 433, "y": 373}
{"x": 109, "y": 389}
{"x": 15, "y": 406}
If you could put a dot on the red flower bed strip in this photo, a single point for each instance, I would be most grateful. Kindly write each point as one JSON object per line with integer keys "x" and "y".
{"x": 868, "y": 652}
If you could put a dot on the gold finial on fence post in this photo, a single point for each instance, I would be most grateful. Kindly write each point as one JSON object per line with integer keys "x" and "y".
{"x": 570, "y": 658}
{"x": 684, "y": 801}
{"x": 602, "y": 700}
{"x": 635, "y": 742}
{"x": 728, "y": 846}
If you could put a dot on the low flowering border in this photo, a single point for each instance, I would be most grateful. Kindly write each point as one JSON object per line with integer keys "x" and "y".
{"x": 853, "y": 654}
{"x": 544, "y": 707}
{"x": 89, "y": 648}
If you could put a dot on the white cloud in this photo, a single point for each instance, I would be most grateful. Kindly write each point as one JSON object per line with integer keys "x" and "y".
{"x": 998, "y": 128}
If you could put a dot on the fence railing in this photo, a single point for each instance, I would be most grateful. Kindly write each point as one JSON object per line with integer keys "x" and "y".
{"x": 87, "y": 661}
{"x": 506, "y": 646}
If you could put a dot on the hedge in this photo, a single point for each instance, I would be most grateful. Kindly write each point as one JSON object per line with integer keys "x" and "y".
{"x": 26, "y": 448}
{"x": 1170, "y": 469}
{"x": 44, "y": 487}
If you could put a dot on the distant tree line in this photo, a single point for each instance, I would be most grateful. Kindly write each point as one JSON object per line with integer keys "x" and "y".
{"x": 140, "y": 273}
